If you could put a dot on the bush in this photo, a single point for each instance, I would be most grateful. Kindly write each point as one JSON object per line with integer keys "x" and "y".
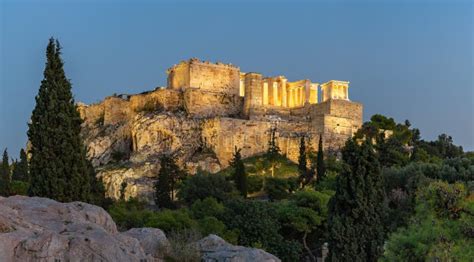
{"x": 171, "y": 220}
{"x": 183, "y": 246}
{"x": 258, "y": 226}
{"x": 129, "y": 214}
{"x": 255, "y": 183}
{"x": 439, "y": 230}
{"x": 277, "y": 188}
{"x": 19, "y": 188}
{"x": 203, "y": 185}
{"x": 207, "y": 207}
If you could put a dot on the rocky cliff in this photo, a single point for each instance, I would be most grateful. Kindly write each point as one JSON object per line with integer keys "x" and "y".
{"x": 41, "y": 229}
{"x": 126, "y": 135}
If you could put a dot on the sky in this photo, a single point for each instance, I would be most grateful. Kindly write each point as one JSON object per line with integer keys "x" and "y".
{"x": 404, "y": 59}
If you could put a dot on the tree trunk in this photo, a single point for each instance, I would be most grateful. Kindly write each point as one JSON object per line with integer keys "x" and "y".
{"x": 312, "y": 257}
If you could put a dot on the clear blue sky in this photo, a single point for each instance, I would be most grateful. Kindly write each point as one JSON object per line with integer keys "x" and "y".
{"x": 406, "y": 59}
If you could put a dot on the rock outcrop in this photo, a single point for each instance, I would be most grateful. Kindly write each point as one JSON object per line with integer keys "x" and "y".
{"x": 41, "y": 229}
{"x": 214, "y": 248}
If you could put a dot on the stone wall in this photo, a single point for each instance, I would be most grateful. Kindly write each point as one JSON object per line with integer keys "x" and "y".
{"x": 214, "y": 77}
{"x": 208, "y": 76}
{"x": 200, "y": 103}
{"x": 222, "y": 135}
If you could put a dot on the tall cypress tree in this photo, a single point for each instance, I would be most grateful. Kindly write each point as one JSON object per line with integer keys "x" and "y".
{"x": 20, "y": 172}
{"x": 168, "y": 177}
{"x": 320, "y": 165}
{"x": 239, "y": 175}
{"x": 302, "y": 163}
{"x": 5, "y": 178}
{"x": 59, "y": 168}
{"x": 273, "y": 152}
{"x": 356, "y": 210}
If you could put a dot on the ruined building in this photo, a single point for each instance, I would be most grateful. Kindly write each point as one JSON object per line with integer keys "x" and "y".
{"x": 204, "y": 112}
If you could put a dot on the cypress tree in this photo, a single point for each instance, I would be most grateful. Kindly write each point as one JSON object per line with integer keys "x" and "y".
{"x": 320, "y": 166}
{"x": 5, "y": 179}
{"x": 59, "y": 168}
{"x": 356, "y": 210}
{"x": 168, "y": 177}
{"x": 239, "y": 175}
{"x": 273, "y": 152}
{"x": 302, "y": 163}
{"x": 20, "y": 171}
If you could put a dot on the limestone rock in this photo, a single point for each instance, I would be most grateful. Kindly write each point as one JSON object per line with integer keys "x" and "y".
{"x": 215, "y": 249}
{"x": 41, "y": 229}
{"x": 152, "y": 240}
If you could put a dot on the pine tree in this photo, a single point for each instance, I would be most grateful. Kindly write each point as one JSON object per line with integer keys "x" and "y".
{"x": 168, "y": 177}
{"x": 273, "y": 152}
{"x": 320, "y": 165}
{"x": 5, "y": 179}
{"x": 59, "y": 168}
{"x": 356, "y": 211}
{"x": 20, "y": 170}
{"x": 239, "y": 175}
{"x": 302, "y": 163}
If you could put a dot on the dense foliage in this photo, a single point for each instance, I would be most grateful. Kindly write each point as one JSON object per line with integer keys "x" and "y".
{"x": 5, "y": 175}
{"x": 442, "y": 228}
{"x": 59, "y": 168}
{"x": 238, "y": 173}
{"x": 357, "y": 209}
{"x": 169, "y": 176}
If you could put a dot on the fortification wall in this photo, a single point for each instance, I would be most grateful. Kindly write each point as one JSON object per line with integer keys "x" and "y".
{"x": 214, "y": 77}
{"x": 201, "y": 103}
{"x": 222, "y": 135}
{"x": 115, "y": 110}
{"x": 178, "y": 76}
{"x": 165, "y": 99}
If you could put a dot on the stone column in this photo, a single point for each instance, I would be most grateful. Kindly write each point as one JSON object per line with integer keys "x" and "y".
{"x": 290, "y": 98}
{"x": 284, "y": 102}
{"x": 307, "y": 90}
{"x": 265, "y": 93}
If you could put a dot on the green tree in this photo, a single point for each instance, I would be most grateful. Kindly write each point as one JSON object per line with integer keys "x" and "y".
{"x": 441, "y": 228}
{"x": 5, "y": 182}
{"x": 258, "y": 226}
{"x": 320, "y": 165}
{"x": 238, "y": 173}
{"x": 59, "y": 168}
{"x": 302, "y": 162}
{"x": 357, "y": 209}
{"x": 203, "y": 185}
{"x": 20, "y": 172}
{"x": 273, "y": 152}
{"x": 168, "y": 177}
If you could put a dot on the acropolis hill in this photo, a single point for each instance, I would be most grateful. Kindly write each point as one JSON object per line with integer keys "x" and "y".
{"x": 204, "y": 112}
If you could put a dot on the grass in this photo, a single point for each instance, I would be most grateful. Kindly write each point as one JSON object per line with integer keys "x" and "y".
{"x": 261, "y": 166}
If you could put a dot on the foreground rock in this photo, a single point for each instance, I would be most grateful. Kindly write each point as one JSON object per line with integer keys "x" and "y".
{"x": 41, "y": 229}
{"x": 214, "y": 248}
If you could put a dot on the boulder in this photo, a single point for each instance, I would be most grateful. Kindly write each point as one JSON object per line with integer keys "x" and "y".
{"x": 41, "y": 229}
{"x": 216, "y": 249}
{"x": 152, "y": 240}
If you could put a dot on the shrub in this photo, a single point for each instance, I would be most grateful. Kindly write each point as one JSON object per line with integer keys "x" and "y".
{"x": 255, "y": 183}
{"x": 183, "y": 246}
{"x": 19, "y": 188}
{"x": 171, "y": 220}
{"x": 203, "y": 185}
{"x": 129, "y": 214}
{"x": 277, "y": 188}
{"x": 207, "y": 207}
